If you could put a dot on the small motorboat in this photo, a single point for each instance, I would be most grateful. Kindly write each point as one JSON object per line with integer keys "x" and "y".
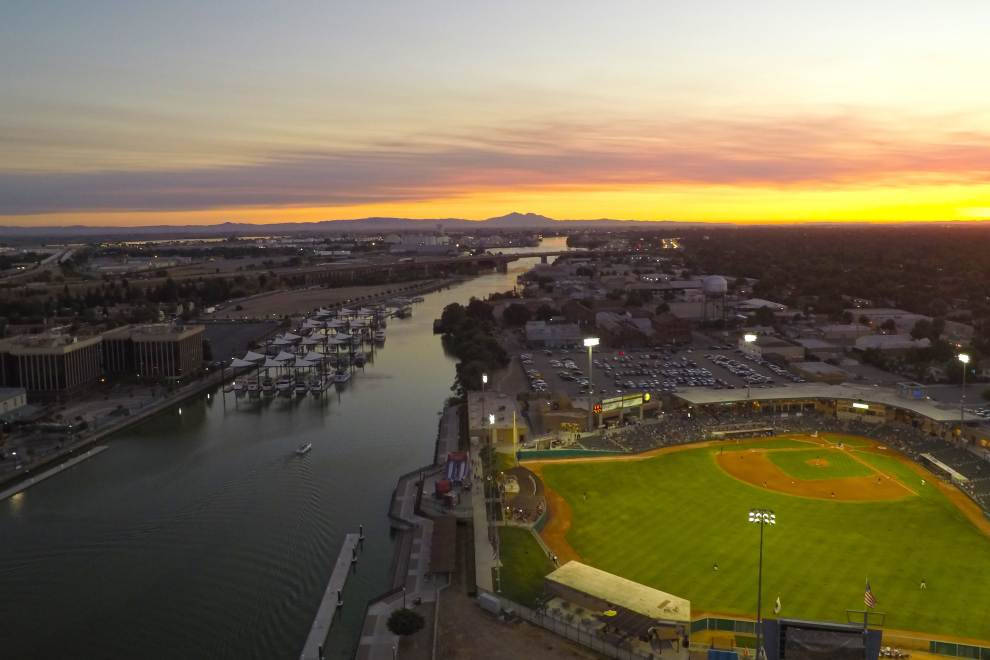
{"x": 303, "y": 449}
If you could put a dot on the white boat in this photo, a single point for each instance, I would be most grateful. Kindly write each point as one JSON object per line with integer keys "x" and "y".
{"x": 317, "y": 386}
{"x": 239, "y": 386}
{"x": 267, "y": 387}
{"x": 404, "y": 312}
{"x": 301, "y": 389}
{"x": 253, "y": 388}
{"x": 303, "y": 449}
{"x": 342, "y": 376}
{"x": 380, "y": 336}
{"x": 284, "y": 384}
{"x": 418, "y": 299}
{"x": 359, "y": 360}
{"x": 228, "y": 388}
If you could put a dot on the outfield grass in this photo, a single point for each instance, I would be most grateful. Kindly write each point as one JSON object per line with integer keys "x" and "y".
{"x": 523, "y": 565}
{"x": 665, "y": 520}
{"x": 796, "y": 463}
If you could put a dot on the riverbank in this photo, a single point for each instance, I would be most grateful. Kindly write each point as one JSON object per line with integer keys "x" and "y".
{"x": 89, "y": 439}
{"x": 51, "y": 472}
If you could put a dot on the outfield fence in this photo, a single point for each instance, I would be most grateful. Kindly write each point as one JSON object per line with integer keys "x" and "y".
{"x": 898, "y": 640}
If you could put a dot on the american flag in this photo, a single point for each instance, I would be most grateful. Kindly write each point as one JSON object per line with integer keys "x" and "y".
{"x": 868, "y": 598}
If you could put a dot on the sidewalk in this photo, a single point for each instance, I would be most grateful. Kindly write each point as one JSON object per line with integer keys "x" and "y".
{"x": 376, "y": 641}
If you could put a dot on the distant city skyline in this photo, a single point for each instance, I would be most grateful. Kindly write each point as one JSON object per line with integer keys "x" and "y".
{"x": 202, "y": 113}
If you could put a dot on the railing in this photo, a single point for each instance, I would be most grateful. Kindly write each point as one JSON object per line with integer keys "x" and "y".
{"x": 567, "y": 630}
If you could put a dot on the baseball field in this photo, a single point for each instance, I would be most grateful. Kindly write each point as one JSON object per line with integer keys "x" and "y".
{"x": 847, "y": 510}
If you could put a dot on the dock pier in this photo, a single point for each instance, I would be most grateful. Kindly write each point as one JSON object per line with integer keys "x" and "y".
{"x": 332, "y": 599}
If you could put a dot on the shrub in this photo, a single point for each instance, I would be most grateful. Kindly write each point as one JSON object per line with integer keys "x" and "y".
{"x": 403, "y": 622}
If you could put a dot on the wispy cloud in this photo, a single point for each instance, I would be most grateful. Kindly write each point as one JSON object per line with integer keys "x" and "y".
{"x": 836, "y": 150}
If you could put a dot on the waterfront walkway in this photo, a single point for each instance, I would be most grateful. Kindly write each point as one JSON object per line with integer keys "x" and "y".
{"x": 328, "y": 606}
{"x": 27, "y": 483}
{"x": 416, "y": 581}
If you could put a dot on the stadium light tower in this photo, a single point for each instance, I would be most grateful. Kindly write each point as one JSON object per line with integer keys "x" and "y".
{"x": 590, "y": 342}
{"x": 964, "y": 358}
{"x": 749, "y": 338}
{"x": 761, "y": 517}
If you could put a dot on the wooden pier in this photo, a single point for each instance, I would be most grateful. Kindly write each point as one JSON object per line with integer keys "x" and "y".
{"x": 331, "y": 598}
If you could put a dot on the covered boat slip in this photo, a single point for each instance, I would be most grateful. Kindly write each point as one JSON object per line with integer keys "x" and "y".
{"x": 624, "y": 604}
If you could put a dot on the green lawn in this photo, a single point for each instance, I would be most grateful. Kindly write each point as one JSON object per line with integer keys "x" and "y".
{"x": 664, "y": 521}
{"x": 796, "y": 464}
{"x": 851, "y": 440}
{"x": 523, "y": 565}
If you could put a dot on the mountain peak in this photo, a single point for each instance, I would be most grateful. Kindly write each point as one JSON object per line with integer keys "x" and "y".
{"x": 516, "y": 219}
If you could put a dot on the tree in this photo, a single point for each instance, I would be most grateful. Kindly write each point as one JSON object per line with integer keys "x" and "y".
{"x": 516, "y": 314}
{"x": 546, "y": 312}
{"x": 889, "y": 327}
{"x": 663, "y": 308}
{"x": 404, "y": 622}
{"x": 763, "y": 316}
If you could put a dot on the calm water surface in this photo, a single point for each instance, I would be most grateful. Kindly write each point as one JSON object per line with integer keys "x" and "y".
{"x": 200, "y": 534}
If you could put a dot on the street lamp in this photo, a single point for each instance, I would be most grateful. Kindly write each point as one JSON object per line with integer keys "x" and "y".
{"x": 491, "y": 424}
{"x": 590, "y": 342}
{"x": 964, "y": 358}
{"x": 749, "y": 338}
{"x": 761, "y": 517}
{"x": 484, "y": 381}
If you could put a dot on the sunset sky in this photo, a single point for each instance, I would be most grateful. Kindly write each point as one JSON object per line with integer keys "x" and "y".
{"x": 123, "y": 112}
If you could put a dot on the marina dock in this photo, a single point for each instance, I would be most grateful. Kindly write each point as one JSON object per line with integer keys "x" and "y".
{"x": 328, "y": 606}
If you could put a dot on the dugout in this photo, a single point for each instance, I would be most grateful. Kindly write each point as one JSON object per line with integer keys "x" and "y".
{"x": 624, "y": 610}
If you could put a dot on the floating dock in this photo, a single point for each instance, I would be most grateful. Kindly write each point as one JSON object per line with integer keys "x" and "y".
{"x": 328, "y": 606}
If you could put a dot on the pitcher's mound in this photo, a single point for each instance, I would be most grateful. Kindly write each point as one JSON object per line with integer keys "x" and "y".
{"x": 818, "y": 463}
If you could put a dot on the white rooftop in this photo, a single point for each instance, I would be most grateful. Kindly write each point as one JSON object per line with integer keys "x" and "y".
{"x": 633, "y": 596}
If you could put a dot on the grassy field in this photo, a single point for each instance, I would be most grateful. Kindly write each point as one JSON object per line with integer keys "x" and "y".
{"x": 665, "y": 520}
{"x": 523, "y": 565}
{"x": 798, "y": 464}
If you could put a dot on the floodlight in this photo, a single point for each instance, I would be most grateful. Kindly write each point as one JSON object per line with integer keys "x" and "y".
{"x": 590, "y": 341}
{"x": 749, "y": 338}
{"x": 484, "y": 378}
{"x": 964, "y": 358}
{"x": 491, "y": 419}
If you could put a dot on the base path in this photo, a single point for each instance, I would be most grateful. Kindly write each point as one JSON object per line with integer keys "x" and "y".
{"x": 754, "y": 467}
{"x": 328, "y": 606}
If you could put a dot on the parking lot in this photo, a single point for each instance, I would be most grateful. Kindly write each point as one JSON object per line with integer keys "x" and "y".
{"x": 617, "y": 372}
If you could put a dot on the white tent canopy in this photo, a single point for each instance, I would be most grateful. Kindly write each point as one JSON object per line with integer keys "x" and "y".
{"x": 237, "y": 363}
{"x": 284, "y": 355}
{"x": 251, "y": 356}
{"x": 269, "y": 363}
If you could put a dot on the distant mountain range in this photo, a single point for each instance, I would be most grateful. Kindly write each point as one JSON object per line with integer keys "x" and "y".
{"x": 511, "y": 221}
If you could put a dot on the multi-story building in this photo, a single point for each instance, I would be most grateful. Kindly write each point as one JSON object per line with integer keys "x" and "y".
{"x": 154, "y": 351}
{"x": 50, "y": 366}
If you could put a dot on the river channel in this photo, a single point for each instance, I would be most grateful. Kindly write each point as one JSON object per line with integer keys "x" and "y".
{"x": 201, "y": 534}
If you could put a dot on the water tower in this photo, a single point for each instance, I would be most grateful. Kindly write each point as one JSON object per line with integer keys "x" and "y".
{"x": 714, "y": 288}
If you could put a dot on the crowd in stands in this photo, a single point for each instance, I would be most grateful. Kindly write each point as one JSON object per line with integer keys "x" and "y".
{"x": 677, "y": 428}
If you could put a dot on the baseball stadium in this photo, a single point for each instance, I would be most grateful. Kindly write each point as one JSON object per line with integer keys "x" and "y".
{"x": 868, "y": 492}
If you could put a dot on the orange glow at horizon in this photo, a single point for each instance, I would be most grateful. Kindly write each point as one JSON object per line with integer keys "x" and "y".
{"x": 685, "y": 203}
